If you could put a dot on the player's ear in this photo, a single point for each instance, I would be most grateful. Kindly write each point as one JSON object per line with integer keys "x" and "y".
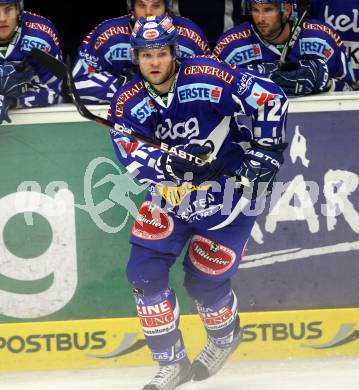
{"x": 288, "y": 8}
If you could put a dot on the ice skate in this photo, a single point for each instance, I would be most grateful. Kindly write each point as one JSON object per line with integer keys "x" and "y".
{"x": 170, "y": 376}
{"x": 212, "y": 357}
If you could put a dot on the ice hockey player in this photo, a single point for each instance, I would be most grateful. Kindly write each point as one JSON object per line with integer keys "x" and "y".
{"x": 316, "y": 63}
{"x": 23, "y": 82}
{"x": 343, "y": 16}
{"x": 191, "y": 105}
{"x": 104, "y": 62}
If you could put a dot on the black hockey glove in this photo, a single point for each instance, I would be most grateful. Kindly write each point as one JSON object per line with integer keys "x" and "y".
{"x": 129, "y": 72}
{"x": 178, "y": 170}
{"x": 5, "y": 104}
{"x": 260, "y": 165}
{"x": 311, "y": 76}
{"x": 13, "y": 82}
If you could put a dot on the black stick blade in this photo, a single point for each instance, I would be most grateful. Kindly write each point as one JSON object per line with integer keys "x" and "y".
{"x": 53, "y": 65}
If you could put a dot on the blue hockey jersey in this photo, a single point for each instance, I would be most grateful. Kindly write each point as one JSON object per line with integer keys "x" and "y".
{"x": 241, "y": 46}
{"x": 36, "y": 31}
{"x": 343, "y": 16}
{"x": 207, "y": 96}
{"x": 105, "y": 53}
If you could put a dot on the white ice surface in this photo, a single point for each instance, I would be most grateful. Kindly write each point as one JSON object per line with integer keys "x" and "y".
{"x": 328, "y": 374}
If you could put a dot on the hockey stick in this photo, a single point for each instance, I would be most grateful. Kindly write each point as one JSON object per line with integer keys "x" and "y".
{"x": 296, "y": 29}
{"x": 62, "y": 72}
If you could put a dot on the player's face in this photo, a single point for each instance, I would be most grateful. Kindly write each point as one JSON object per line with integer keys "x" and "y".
{"x": 267, "y": 18}
{"x": 156, "y": 65}
{"x": 147, "y": 8}
{"x": 8, "y": 21}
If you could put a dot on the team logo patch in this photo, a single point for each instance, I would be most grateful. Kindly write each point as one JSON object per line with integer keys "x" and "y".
{"x": 260, "y": 96}
{"x": 152, "y": 223}
{"x": 151, "y": 34}
{"x": 245, "y": 83}
{"x": 209, "y": 256}
{"x": 199, "y": 91}
{"x": 316, "y": 46}
{"x": 126, "y": 146}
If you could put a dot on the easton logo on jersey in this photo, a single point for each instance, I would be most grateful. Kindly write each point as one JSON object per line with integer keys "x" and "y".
{"x": 199, "y": 91}
{"x": 245, "y": 54}
{"x": 316, "y": 46}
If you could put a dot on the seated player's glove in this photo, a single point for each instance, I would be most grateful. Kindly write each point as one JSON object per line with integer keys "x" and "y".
{"x": 5, "y": 104}
{"x": 261, "y": 164}
{"x": 14, "y": 82}
{"x": 129, "y": 72}
{"x": 264, "y": 68}
{"x": 311, "y": 76}
{"x": 179, "y": 170}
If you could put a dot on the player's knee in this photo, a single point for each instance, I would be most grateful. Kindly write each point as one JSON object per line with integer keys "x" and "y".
{"x": 205, "y": 291}
{"x": 147, "y": 271}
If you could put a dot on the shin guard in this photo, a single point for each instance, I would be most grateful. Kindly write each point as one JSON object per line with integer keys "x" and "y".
{"x": 159, "y": 318}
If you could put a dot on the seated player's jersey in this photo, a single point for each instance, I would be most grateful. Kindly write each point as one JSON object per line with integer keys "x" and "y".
{"x": 105, "y": 53}
{"x": 241, "y": 46}
{"x": 202, "y": 106}
{"x": 343, "y": 16}
{"x": 36, "y": 31}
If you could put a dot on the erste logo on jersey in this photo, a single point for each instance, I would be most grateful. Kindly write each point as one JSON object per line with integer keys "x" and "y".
{"x": 316, "y": 46}
{"x": 119, "y": 52}
{"x": 29, "y": 42}
{"x": 143, "y": 109}
{"x": 199, "y": 91}
{"x": 245, "y": 54}
{"x": 260, "y": 96}
{"x": 209, "y": 256}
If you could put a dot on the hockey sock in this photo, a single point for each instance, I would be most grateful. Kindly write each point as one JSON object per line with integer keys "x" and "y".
{"x": 219, "y": 319}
